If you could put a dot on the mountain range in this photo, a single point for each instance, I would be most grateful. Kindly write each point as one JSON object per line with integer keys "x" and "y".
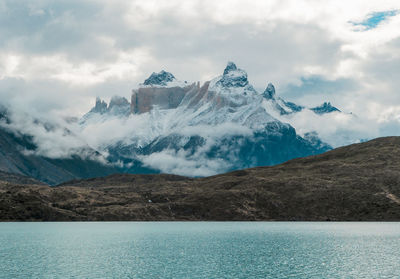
{"x": 222, "y": 125}
{"x": 170, "y": 126}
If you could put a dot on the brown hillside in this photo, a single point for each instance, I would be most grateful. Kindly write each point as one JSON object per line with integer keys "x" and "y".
{"x": 356, "y": 182}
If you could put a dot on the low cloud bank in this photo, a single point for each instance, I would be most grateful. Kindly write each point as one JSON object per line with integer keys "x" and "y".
{"x": 181, "y": 163}
{"x": 59, "y": 137}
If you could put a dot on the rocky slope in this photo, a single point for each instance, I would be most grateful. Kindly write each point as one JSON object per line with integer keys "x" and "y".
{"x": 19, "y": 179}
{"x": 356, "y": 182}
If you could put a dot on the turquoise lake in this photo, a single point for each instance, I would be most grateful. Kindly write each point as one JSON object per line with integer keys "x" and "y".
{"x": 199, "y": 250}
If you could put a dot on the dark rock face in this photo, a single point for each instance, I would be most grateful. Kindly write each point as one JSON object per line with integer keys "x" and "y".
{"x": 264, "y": 148}
{"x": 359, "y": 182}
{"x": 325, "y": 108}
{"x": 269, "y": 92}
{"x": 230, "y": 67}
{"x": 161, "y": 78}
{"x": 294, "y": 107}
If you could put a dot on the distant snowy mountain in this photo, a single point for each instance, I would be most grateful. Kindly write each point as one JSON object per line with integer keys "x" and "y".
{"x": 325, "y": 121}
{"x": 184, "y": 128}
{"x": 285, "y": 108}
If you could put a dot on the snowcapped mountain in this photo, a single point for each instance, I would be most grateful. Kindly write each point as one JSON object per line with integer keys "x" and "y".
{"x": 285, "y": 108}
{"x": 325, "y": 121}
{"x": 184, "y": 128}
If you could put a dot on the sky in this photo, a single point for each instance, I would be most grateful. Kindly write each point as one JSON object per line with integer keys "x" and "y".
{"x": 57, "y": 56}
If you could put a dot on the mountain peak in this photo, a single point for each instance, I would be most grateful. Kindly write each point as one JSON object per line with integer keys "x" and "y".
{"x": 118, "y": 106}
{"x": 230, "y": 67}
{"x": 100, "y": 106}
{"x": 326, "y": 107}
{"x": 233, "y": 76}
{"x": 161, "y": 78}
{"x": 269, "y": 92}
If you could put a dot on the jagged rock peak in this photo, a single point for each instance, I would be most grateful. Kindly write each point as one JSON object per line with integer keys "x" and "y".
{"x": 326, "y": 107}
{"x": 269, "y": 92}
{"x": 230, "y": 67}
{"x": 233, "y": 76}
{"x": 100, "y": 106}
{"x": 161, "y": 78}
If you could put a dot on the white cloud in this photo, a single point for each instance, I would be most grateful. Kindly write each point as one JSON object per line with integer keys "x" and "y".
{"x": 59, "y": 68}
{"x": 52, "y": 139}
{"x": 335, "y": 128}
{"x": 170, "y": 161}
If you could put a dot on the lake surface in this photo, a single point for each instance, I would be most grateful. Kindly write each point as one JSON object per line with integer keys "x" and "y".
{"x": 199, "y": 250}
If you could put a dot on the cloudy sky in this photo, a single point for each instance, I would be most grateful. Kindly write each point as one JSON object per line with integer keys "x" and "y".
{"x": 56, "y": 56}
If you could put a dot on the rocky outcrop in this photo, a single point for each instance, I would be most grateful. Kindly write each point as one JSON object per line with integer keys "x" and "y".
{"x": 325, "y": 108}
{"x": 269, "y": 92}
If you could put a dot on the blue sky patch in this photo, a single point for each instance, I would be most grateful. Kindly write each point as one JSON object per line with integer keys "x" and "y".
{"x": 318, "y": 86}
{"x": 373, "y": 19}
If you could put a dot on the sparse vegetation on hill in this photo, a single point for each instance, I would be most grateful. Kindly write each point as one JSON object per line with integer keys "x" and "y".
{"x": 356, "y": 182}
